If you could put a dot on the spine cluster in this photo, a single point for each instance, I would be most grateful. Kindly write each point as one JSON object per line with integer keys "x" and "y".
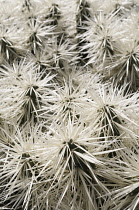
{"x": 69, "y": 125}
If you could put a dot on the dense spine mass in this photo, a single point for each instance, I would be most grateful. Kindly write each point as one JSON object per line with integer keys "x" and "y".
{"x": 69, "y": 81}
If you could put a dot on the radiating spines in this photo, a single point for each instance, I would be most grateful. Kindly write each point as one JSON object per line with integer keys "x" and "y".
{"x": 125, "y": 65}
{"x": 10, "y": 41}
{"x": 36, "y": 33}
{"x": 126, "y": 197}
{"x": 20, "y": 165}
{"x": 62, "y": 52}
{"x": 111, "y": 110}
{"x": 71, "y": 96}
{"x": 54, "y": 14}
{"x": 24, "y": 86}
{"x": 69, "y": 81}
{"x": 76, "y": 158}
{"x": 102, "y": 33}
{"x": 122, "y": 8}
{"x": 83, "y": 14}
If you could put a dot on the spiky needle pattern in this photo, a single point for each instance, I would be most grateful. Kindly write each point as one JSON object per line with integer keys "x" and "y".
{"x": 69, "y": 136}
